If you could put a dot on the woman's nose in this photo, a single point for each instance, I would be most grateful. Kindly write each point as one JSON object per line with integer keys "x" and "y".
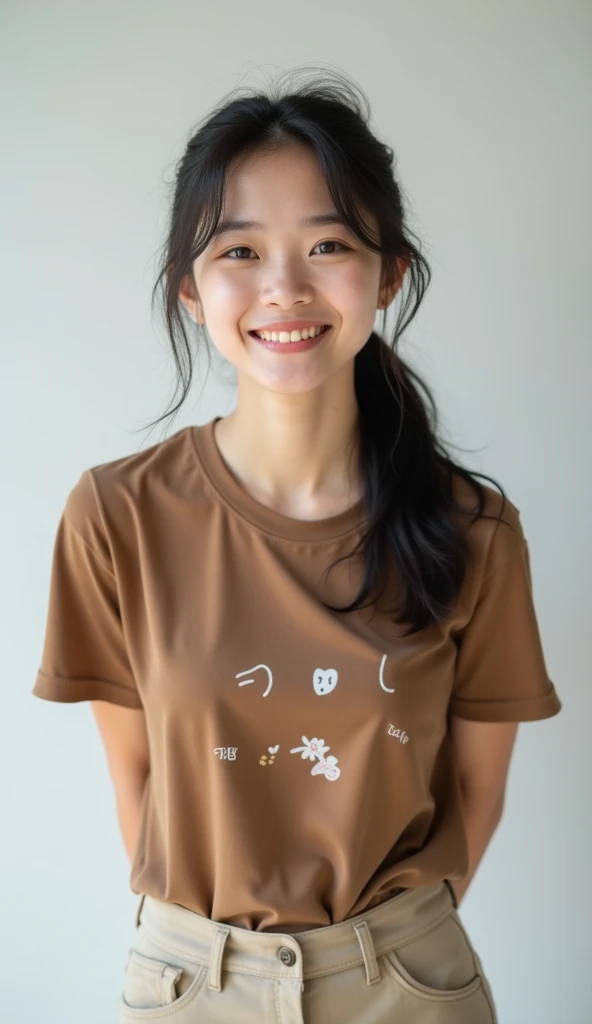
{"x": 286, "y": 286}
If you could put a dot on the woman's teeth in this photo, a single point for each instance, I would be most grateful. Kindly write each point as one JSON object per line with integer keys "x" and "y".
{"x": 287, "y": 336}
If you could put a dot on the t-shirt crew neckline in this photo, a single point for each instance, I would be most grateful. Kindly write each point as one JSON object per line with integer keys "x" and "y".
{"x": 260, "y": 516}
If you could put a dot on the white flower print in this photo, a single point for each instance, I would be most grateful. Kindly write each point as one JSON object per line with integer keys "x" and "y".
{"x": 311, "y": 749}
{"x": 328, "y": 768}
{"x": 315, "y": 749}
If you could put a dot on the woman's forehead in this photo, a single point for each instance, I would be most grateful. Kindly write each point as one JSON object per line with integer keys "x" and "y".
{"x": 290, "y": 176}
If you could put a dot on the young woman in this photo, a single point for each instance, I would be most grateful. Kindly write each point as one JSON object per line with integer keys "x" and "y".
{"x": 308, "y": 634}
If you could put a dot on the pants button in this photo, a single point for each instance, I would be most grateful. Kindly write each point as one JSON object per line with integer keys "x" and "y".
{"x": 286, "y": 955}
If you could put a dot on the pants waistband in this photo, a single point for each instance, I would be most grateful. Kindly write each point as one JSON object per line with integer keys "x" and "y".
{"x": 301, "y": 955}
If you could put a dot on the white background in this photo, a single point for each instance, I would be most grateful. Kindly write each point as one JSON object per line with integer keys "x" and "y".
{"x": 486, "y": 106}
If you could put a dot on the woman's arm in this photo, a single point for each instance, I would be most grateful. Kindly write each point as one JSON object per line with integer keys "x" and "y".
{"x": 482, "y": 751}
{"x": 124, "y": 736}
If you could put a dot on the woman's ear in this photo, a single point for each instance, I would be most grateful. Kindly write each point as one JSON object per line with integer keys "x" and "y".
{"x": 187, "y": 295}
{"x": 387, "y": 293}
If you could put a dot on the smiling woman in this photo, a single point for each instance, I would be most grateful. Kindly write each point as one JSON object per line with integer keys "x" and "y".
{"x": 271, "y": 265}
{"x": 325, "y": 624}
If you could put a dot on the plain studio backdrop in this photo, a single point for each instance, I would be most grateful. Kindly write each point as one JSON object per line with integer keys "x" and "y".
{"x": 487, "y": 108}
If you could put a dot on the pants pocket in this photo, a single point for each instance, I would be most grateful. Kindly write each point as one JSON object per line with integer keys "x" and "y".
{"x": 440, "y": 967}
{"x": 157, "y": 978}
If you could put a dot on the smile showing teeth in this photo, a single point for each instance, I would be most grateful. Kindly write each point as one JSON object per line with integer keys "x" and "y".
{"x": 288, "y": 336}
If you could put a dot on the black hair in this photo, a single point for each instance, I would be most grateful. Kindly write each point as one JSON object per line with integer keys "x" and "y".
{"x": 409, "y": 479}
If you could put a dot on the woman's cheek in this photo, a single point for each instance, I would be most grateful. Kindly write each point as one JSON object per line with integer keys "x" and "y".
{"x": 225, "y": 299}
{"x": 355, "y": 288}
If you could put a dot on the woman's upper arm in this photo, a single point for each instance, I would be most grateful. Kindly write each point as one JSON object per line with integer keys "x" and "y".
{"x": 482, "y": 752}
{"x": 124, "y": 736}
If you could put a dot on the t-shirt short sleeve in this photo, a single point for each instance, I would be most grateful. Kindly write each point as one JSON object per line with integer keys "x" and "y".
{"x": 84, "y": 651}
{"x": 501, "y": 674}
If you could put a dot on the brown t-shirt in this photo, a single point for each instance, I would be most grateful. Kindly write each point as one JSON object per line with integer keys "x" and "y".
{"x": 301, "y": 766}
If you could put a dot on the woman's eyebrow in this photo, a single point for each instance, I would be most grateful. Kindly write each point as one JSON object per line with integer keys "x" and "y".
{"x": 234, "y": 224}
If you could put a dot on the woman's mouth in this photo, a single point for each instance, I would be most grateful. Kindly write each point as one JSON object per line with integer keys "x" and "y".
{"x": 283, "y": 340}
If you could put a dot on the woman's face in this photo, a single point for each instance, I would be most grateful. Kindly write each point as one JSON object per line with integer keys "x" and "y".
{"x": 285, "y": 269}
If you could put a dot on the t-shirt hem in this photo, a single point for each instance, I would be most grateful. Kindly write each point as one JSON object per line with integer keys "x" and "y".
{"x": 68, "y": 691}
{"x": 529, "y": 709}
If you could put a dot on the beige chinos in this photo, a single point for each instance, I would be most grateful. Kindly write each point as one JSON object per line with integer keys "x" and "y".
{"x": 408, "y": 960}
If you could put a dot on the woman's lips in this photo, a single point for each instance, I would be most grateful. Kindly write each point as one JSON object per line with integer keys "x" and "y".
{"x": 291, "y": 346}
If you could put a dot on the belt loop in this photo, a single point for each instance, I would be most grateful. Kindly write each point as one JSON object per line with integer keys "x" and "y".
{"x": 452, "y": 893}
{"x": 215, "y": 979}
{"x": 368, "y": 952}
{"x": 139, "y": 910}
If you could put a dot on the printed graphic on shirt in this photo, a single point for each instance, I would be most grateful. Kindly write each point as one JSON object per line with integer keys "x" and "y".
{"x": 246, "y": 682}
{"x": 315, "y": 749}
{"x": 226, "y": 753}
{"x": 381, "y": 676}
{"x": 264, "y": 759}
{"x": 400, "y": 734}
{"x": 324, "y": 680}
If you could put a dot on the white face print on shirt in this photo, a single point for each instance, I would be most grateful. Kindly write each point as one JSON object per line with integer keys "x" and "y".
{"x": 324, "y": 680}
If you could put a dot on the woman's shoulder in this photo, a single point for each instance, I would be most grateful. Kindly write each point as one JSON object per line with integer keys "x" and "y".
{"x": 116, "y": 486}
{"x": 496, "y": 531}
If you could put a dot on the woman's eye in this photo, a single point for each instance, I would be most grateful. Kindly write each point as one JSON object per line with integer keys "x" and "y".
{"x": 246, "y": 248}
{"x": 238, "y": 248}
{"x": 330, "y": 242}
